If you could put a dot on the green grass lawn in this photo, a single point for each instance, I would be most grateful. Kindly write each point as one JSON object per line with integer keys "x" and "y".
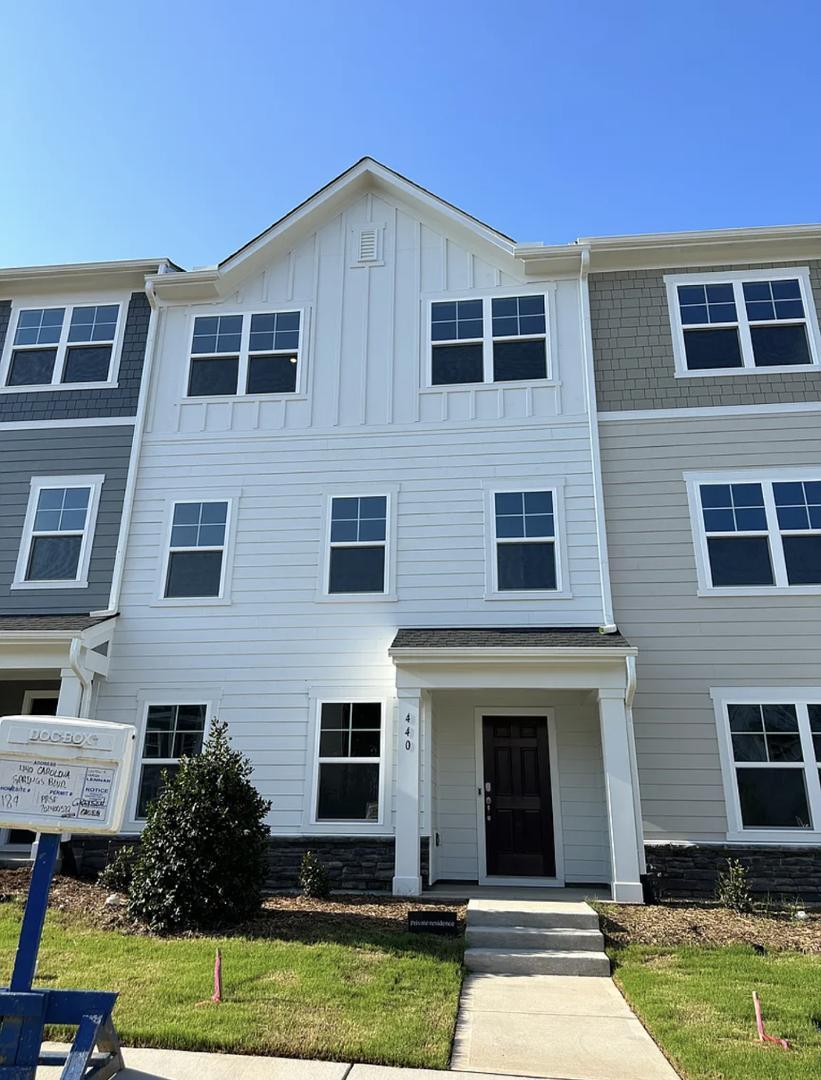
{"x": 697, "y": 1004}
{"x": 359, "y": 993}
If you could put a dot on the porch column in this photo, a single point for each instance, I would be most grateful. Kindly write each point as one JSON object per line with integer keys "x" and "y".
{"x": 70, "y": 701}
{"x": 625, "y": 829}
{"x": 407, "y": 879}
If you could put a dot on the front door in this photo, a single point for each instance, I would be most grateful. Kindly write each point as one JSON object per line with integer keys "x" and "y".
{"x": 517, "y": 797}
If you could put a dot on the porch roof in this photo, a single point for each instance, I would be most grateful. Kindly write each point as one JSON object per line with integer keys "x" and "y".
{"x": 512, "y": 637}
{"x": 61, "y": 623}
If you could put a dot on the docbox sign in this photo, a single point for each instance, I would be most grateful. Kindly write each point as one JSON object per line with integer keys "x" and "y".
{"x": 63, "y": 774}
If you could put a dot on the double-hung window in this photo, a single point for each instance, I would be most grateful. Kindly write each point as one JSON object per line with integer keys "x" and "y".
{"x": 171, "y": 732}
{"x": 71, "y": 345}
{"x": 58, "y": 532}
{"x": 743, "y": 321}
{"x": 358, "y": 548}
{"x": 758, "y": 534}
{"x": 195, "y": 566}
{"x": 524, "y": 541}
{"x": 349, "y": 762}
{"x": 771, "y": 754}
{"x": 489, "y": 339}
{"x": 245, "y": 354}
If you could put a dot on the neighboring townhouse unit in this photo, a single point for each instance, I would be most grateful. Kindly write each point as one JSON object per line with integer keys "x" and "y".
{"x": 368, "y": 533}
{"x": 72, "y": 348}
{"x": 708, "y": 371}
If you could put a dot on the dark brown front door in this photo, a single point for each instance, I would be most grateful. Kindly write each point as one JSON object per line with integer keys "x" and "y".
{"x": 517, "y": 798}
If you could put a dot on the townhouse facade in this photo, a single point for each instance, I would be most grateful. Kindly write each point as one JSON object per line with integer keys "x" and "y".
{"x": 500, "y": 560}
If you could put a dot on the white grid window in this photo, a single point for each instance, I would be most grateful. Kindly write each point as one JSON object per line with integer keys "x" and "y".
{"x": 195, "y": 566}
{"x": 525, "y": 541}
{"x": 743, "y": 321}
{"x": 171, "y": 732}
{"x": 759, "y": 534}
{"x": 488, "y": 339}
{"x": 358, "y": 549}
{"x": 63, "y": 346}
{"x": 55, "y": 549}
{"x": 349, "y": 762}
{"x": 251, "y": 353}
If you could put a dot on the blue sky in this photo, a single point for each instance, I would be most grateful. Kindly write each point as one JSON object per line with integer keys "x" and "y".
{"x": 183, "y": 129}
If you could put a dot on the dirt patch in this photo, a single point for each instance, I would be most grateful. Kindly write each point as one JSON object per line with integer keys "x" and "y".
{"x": 290, "y": 917}
{"x": 708, "y": 924}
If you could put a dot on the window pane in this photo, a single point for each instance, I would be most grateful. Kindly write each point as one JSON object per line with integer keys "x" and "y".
{"x": 152, "y": 782}
{"x": 773, "y": 798}
{"x": 334, "y": 743}
{"x": 706, "y": 349}
{"x": 187, "y": 743}
{"x": 335, "y": 715}
{"x": 39, "y": 326}
{"x": 519, "y": 360}
{"x": 191, "y": 717}
{"x": 784, "y": 748}
{"x": 54, "y": 558}
{"x": 88, "y": 364}
{"x": 740, "y": 560}
{"x": 775, "y": 346}
{"x": 217, "y": 333}
{"x": 357, "y": 570}
{"x": 160, "y": 717}
{"x": 32, "y": 367}
{"x": 815, "y": 717}
{"x": 745, "y": 718}
{"x": 367, "y": 714}
{"x": 456, "y": 364}
{"x": 365, "y": 744}
{"x": 213, "y": 376}
{"x": 271, "y": 374}
{"x": 749, "y": 748}
{"x": 348, "y": 792}
{"x": 780, "y": 717}
{"x": 194, "y": 573}
{"x": 526, "y": 566}
{"x": 802, "y": 555}
{"x": 93, "y": 323}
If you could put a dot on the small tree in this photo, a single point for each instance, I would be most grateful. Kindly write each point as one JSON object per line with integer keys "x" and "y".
{"x": 201, "y": 862}
{"x": 732, "y": 888}
{"x": 313, "y": 877}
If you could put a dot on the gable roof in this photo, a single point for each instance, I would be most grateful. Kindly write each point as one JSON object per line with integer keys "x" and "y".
{"x": 367, "y": 174}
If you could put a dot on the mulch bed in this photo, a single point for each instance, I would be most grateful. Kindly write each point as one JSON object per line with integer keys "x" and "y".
{"x": 287, "y": 917}
{"x": 707, "y": 925}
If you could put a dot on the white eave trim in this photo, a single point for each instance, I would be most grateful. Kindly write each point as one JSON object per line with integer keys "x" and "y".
{"x": 525, "y": 654}
{"x": 60, "y": 272}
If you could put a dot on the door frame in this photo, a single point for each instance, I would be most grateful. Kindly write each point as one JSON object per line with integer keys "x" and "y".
{"x": 539, "y": 882}
{"x": 25, "y": 710}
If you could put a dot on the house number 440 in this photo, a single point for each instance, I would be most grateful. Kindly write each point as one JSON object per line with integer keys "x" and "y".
{"x": 409, "y": 732}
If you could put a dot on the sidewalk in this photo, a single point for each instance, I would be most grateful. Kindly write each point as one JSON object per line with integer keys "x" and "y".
{"x": 558, "y": 1026}
{"x": 186, "y": 1065}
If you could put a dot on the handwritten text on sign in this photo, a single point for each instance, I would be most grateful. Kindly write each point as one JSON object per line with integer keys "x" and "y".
{"x": 58, "y": 789}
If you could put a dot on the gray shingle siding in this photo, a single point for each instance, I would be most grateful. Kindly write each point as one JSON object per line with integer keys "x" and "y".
{"x": 70, "y": 404}
{"x": 633, "y": 349}
{"x": 61, "y": 452}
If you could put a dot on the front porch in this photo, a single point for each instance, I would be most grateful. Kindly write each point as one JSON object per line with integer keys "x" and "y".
{"x": 49, "y": 666}
{"x": 516, "y": 762}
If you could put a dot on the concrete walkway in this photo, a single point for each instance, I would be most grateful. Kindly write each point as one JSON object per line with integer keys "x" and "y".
{"x": 560, "y": 1026}
{"x": 185, "y": 1065}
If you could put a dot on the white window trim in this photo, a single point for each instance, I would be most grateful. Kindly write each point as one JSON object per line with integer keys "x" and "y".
{"x": 356, "y": 826}
{"x": 324, "y": 595}
{"x": 299, "y": 390}
{"x": 38, "y": 484}
{"x": 736, "y": 279}
{"x": 62, "y": 346}
{"x": 547, "y": 290}
{"x": 224, "y": 596}
{"x": 799, "y": 696}
{"x": 209, "y": 698}
{"x": 492, "y": 591}
{"x": 766, "y": 477}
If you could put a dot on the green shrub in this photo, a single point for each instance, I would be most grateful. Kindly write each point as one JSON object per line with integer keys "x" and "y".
{"x": 732, "y": 889}
{"x": 119, "y": 870}
{"x": 313, "y": 877}
{"x": 201, "y": 862}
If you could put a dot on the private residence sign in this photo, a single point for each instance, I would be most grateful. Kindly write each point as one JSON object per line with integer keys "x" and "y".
{"x": 64, "y": 775}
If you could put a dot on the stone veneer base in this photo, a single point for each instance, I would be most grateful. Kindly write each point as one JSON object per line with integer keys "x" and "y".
{"x": 691, "y": 870}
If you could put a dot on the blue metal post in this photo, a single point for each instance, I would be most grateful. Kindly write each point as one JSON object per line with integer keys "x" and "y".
{"x": 31, "y": 931}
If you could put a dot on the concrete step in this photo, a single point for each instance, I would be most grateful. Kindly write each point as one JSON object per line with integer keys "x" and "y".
{"x": 537, "y": 962}
{"x": 545, "y": 914}
{"x": 564, "y": 938}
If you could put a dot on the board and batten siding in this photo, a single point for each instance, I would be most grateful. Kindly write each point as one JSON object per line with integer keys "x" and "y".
{"x": 689, "y": 643}
{"x": 580, "y": 777}
{"x": 63, "y": 452}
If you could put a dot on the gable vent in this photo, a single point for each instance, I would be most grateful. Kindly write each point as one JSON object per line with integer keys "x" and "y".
{"x": 368, "y": 244}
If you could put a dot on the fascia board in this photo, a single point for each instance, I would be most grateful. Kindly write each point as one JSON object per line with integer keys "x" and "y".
{"x": 525, "y": 654}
